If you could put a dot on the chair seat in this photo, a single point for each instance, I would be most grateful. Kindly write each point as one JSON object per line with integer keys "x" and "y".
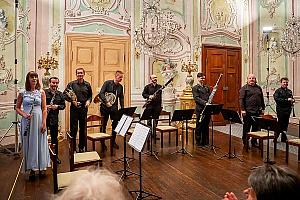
{"x": 166, "y": 128}
{"x": 98, "y": 136}
{"x": 261, "y": 134}
{"x": 86, "y": 157}
{"x": 65, "y": 179}
{"x": 295, "y": 142}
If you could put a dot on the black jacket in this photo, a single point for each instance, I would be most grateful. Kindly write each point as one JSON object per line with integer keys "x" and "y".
{"x": 200, "y": 95}
{"x": 150, "y": 89}
{"x": 281, "y": 96}
{"x": 52, "y": 117}
{"x": 117, "y": 89}
{"x": 252, "y": 99}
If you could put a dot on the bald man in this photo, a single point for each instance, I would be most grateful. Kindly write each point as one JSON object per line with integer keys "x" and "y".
{"x": 252, "y": 105}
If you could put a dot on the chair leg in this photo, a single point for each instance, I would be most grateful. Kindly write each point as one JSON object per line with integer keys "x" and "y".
{"x": 111, "y": 147}
{"x": 169, "y": 138}
{"x": 93, "y": 145}
{"x": 161, "y": 139}
{"x": 247, "y": 144}
{"x": 261, "y": 147}
{"x": 298, "y": 153}
{"x": 275, "y": 147}
{"x": 193, "y": 130}
{"x": 286, "y": 152}
{"x": 176, "y": 137}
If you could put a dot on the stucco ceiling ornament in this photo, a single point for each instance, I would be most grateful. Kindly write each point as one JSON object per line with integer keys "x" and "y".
{"x": 271, "y": 5}
{"x": 101, "y": 6}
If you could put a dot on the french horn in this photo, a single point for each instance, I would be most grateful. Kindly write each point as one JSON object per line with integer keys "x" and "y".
{"x": 110, "y": 99}
{"x": 72, "y": 96}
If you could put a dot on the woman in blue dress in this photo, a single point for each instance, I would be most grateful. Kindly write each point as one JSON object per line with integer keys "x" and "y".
{"x": 33, "y": 126}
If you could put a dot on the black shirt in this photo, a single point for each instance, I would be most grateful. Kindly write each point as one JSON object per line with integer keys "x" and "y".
{"x": 200, "y": 94}
{"x": 83, "y": 91}
{"x": 150, "y": 89}
{"x": 252, "y": 99}
{"x": 111, "y": 87}
{"x": 281, "y": 96}
{"x": 52, "y": 117}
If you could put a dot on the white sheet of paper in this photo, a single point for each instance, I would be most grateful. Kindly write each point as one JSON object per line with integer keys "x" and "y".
{"x": 139, "y": 136}
{"x": 126, "y": 126}
{"x": 120, "y": 124}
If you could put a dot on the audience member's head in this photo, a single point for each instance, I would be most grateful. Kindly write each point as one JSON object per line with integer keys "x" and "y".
{"x": 94, "y": 185}
{"x": 271, "y": 182}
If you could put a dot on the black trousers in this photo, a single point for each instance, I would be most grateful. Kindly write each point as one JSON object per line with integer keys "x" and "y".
{"x": 249, "y": 123}
{"x": 283, "y": 120}
{"x": 78, "y": 115}
{"x": 202, "y": 130}
{"x": 53, "y": 133}
{"x": 106, "y": 114}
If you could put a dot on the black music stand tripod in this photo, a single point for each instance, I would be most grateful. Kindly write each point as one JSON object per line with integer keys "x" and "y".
{"x": 212, "y": 109}
{"x": 269, "y": 125}
{"x": 141, "y": 194}
{"x": 183, "y": 115}
{"x": 125, "y": 172}
{"x": 233, "y": 117}
{"x": 152, "y": 114}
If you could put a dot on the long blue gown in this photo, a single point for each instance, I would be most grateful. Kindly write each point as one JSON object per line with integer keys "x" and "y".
{"x": 35, "y": 144}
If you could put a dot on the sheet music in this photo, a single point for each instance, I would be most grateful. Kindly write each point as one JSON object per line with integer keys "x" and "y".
{"x": 139, "y": 136}
{"x": 120, "y": 124}
{"x": 123, "y": 125}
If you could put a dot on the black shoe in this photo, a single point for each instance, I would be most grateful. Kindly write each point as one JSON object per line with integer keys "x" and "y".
{"x": 283, "y": 137}
{"x": 31, "y": 175}
{"x": 58, "y": 161}
{"x": 116, "y": 146}
{"x": 81, "y": 150}
{"x": 42, "y": 173}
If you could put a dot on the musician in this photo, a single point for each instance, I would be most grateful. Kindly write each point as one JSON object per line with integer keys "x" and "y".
{"x": 55, "y": 102}
{"x": 284, "y": 102}
{"x": 153, "y": 93}
{"x": 79, "y": 106}
{"x": 252, "y": 105}
{"x": 109, "y": 109}
{"x": 201, "y": 94}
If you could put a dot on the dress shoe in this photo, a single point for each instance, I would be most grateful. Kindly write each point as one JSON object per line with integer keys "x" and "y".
{"x": 31, "y": 175}
{"x": 58, "y": 161}
{"x": 42, "y": 173}
{"x": 283, "y": 137}
{"x": 81, "y": 150}
{"x": 116, "y": 146}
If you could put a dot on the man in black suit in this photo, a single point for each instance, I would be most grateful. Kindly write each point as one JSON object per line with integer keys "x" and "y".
{"x": 55, "y": 102}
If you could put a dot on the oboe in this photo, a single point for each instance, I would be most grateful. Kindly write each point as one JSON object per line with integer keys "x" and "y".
{"x": 51, "y": 102}
{"x": 27, "y": 128}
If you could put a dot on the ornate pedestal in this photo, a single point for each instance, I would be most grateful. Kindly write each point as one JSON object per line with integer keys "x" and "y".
{"x": 186, "y": 100}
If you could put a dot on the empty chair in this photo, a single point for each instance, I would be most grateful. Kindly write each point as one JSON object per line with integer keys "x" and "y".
{"x": 82, "y": 159}
{"x": 293, "y": 142}
{"x": 96, "y": 121}
{"x": 61, "y": 180}
{"x": 166, "y": 128}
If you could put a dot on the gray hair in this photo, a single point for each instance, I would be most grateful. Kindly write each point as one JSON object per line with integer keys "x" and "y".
{"x": 271, "y": 182}
{"x": 94, "y": 185}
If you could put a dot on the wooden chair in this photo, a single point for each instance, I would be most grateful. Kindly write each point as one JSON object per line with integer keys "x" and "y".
{"x": 61, "y": 180}
{"x": 78, "y": 160}
{"x": 166, "y": 128}
{"x": 98, "y": 136}
{"x": 293, "y": 142}
{"x": 261, "y": 136}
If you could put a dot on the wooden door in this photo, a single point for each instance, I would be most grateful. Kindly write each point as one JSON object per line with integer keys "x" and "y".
{"x": 100, "y": 56}
{"x": 223, "y": 60}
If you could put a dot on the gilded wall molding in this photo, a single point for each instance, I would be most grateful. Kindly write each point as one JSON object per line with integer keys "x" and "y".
{"x": 56, "y": 39}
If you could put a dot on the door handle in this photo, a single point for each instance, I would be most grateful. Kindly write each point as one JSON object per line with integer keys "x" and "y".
{"x": 225, "y": 88}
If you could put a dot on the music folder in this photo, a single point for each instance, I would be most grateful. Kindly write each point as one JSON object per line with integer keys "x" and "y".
{"x": 123, "y": 125}
{"x": 139, "y": 136}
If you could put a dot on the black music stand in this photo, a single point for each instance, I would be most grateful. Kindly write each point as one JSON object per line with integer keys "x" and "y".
{"x": 269, "y": 125}
{"x": 183, "y": 115}
{"x": 129, "y": 112}
{"x": 152, "y": 114}
{"x": 212, "y": 109}
{"x": 141, "y": 194}
{"x": 233, "y": 117}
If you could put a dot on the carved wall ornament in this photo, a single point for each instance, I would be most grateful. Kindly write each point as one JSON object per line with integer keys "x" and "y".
{"x": 271, "y": 5}
{"x": 6, "y": 76}
{"x": 56, "y": 37}
{"x": 8, "y": 36}
{"x": 3, "y": 114}
{"x": 101, "y": 6}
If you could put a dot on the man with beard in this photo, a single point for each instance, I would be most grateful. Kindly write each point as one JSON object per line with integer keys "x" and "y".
{"x": 252, "y": 105}
{"x": 55, "y": 102}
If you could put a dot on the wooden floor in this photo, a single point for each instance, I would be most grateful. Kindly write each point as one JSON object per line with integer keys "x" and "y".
{"x": 175, "y": 176}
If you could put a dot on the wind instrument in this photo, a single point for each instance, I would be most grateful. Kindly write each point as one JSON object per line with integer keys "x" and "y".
{"x": 109, "y": 97}
{"x": 51, "y": 102}
{"x": 210, "y": 98}
{"x": 72, "y": 96}
{"x": 157, "y": 91}
{"x": 27, "y": 127}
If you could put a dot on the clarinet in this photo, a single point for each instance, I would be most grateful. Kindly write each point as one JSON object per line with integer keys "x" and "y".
{"x": 210, "y": 98}
{"x": 51, "y": 102}
{"x": 27, "y": 128}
